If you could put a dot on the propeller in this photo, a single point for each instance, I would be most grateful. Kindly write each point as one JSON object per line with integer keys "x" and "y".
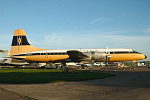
{"x": 107, "y": 56}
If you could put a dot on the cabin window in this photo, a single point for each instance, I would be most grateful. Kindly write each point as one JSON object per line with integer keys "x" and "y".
{"x": 34, "y": 54}
{"x": 63, "y": 53}
{"x": 42, "y": 53}
{"x": 121, "y": 52}
{"x": 38, "y": 53}
{"x": 21, "y": 55}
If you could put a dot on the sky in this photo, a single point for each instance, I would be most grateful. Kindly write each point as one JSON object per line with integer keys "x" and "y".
{"x": 75, "y": 24}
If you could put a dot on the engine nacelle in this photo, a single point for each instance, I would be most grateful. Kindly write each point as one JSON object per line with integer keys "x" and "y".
{"x": 98, "y": 56}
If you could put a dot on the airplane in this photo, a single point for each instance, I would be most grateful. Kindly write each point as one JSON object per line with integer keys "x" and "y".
{"x": 21, "y": 49}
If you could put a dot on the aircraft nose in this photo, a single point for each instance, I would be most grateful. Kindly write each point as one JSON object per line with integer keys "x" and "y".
{"x": 145, "y": 56}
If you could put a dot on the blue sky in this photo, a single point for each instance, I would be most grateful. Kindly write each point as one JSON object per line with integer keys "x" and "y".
{"x": 73, "y": 24}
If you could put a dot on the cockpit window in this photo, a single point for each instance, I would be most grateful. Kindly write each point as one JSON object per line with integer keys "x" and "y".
{"x": 135, "y": 52}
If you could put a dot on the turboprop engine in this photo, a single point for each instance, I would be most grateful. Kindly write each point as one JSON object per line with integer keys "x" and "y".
{"x": 78, "y": 56}
{"x": 97, "y": 56}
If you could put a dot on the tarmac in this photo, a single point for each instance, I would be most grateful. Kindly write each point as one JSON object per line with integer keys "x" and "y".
{"x": 128, "y": 84}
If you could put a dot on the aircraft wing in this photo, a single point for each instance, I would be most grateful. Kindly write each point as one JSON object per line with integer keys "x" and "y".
{"x": 76, "y": 55}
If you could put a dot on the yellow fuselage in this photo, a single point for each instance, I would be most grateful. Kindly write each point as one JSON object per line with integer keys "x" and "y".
{"x": 113, "y": 58}
{"x": 126, "y": 57}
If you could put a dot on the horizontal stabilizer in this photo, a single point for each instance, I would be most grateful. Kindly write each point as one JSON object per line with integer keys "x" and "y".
{"x": 14, "y": 63}
{"x": 4, "y": 52}
{"x": 15, "y": 57}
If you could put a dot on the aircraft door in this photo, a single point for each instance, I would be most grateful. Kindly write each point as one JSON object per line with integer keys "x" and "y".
{"x": 46, "y": 55}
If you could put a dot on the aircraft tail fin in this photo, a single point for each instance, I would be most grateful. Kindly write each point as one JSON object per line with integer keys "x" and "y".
{"x": 20, "y": 43}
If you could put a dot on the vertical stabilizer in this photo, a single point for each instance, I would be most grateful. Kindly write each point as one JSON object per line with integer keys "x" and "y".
{"x": 20, "y": 43}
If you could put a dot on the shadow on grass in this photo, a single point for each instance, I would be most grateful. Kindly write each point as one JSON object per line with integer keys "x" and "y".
{"x": 32, "y": 76}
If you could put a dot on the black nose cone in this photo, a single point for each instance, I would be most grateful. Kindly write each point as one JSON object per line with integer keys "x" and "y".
{"x": 145, "y": 56}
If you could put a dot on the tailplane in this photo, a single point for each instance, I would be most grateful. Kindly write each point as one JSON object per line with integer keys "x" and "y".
{"x": 4, "y": 53}
{"x": 20, "y": 43}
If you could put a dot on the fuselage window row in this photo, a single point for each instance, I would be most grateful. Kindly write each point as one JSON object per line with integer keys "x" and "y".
{"x": 64, "y": 53}
{"x": 42, "y": 54}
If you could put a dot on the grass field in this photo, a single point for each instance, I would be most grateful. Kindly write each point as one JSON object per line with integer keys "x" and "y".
{"x": 26, "y": 76}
